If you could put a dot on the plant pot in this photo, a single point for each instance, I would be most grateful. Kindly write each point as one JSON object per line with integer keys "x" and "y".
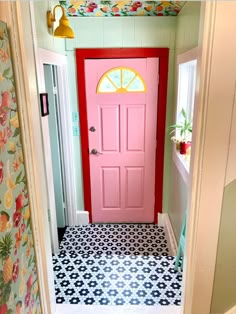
{"x": 177, "y": 145}
{"x": 184, "y": 147}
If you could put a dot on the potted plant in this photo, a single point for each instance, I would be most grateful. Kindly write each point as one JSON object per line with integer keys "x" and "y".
{"x": 185, "y": 130}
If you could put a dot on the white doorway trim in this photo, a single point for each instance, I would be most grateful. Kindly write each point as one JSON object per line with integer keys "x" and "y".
{"x": 201, "y": 248}
{"x": 213, "y": 109}
{"x": 18, "y": 16}
{"x": 52, "y": 58}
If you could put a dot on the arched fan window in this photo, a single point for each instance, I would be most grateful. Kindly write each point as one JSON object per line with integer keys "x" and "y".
{"x": 121, "y": 80}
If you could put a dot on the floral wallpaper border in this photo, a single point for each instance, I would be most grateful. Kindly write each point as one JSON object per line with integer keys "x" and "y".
{"x": 113, "y": 8}
{"x": 19, "y": 290}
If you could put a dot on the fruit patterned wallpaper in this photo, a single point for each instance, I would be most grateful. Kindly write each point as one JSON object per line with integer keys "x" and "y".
{"x": 19, "y": 291}
{"x": 121, "y": 8}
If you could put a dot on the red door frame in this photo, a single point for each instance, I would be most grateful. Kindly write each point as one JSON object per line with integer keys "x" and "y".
{"x": 119, "y": 53}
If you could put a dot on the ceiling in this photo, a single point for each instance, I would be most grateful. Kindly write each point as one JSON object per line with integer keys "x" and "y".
{"x": 114, "y": 8}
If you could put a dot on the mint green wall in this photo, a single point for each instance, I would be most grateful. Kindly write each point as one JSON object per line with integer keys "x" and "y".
{"x": 188, "y": 27}
{"x": 44, "y": 38}
{"x": 76, "y": 139}
{"x": 186, "y": 39}
{"x": 110, "y": 32}
{"x": 125, "y": 32}
{"x": 178, "y": 200}
{"x": 224, "y": 292}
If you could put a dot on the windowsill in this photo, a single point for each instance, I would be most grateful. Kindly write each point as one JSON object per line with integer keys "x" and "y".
{"x": 182, "y": 163}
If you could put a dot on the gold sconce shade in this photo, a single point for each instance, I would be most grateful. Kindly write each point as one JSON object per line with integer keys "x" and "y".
{"x": 63, "y": 30}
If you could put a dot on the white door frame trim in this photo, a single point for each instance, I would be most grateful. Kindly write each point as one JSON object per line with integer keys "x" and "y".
{"x": 201, "y": 249}
{"x": 211, "y": 130}
{"x": 53, "y": 58}
{"x": 18, "y": 16}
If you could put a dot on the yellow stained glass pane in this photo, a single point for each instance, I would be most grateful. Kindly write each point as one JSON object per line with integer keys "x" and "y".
{"x": 121, "y": 80}
{"x": 127, "y": 76}
{"x": 115, "y": 77}
{"x": 106, "y": 86}
{"x": 136, "y": 85}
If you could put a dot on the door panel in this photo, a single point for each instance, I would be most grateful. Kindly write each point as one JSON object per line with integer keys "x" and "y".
{"x": 134, "y": 187}
{"x": 110, "y": 130}
{"x": 122, "y": 173}
{"x": 111, "y": 187}
{"x": 135, "y": 127}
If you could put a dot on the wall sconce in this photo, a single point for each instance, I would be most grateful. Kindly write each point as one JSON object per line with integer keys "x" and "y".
{"x": 63, "y": 30}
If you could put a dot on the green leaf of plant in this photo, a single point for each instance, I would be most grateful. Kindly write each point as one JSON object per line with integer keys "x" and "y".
{"x": 28, "y": 223}
{"x": 6, "y": 109}
{"x": 6, "y": 291}
{"x": 17, "y": 132}
{"x": 184, "y": 113}
{"x": 2, "y": 282}
{"x": 175, "y": 126}
{"x": 30, "y": 261}
{"x": 6, "y": 72}
{"x": 18, "y": 178}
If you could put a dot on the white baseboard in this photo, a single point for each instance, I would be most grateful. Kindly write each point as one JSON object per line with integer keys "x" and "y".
{"x": 164, "y": 221}
{"x": 231, "y": 311}
{"x": 161, "y": 220}
{"x": 82, "y": 217}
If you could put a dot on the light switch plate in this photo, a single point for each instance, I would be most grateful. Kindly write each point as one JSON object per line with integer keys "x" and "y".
{"x": 75, "y": 130}
{"x": 75, "y": 116}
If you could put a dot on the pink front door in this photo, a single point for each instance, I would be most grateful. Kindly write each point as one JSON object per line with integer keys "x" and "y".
{"x": 122, "y": 140}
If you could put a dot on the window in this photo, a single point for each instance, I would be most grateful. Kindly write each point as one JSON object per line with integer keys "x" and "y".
{"x": 186, "y": 92}
{"x": 187, "y": 70}
{"x": 121, "y": 80}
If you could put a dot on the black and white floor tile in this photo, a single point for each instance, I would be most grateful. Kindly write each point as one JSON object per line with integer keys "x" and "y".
{"x": 119, "y": 239}
{"x": 111, "y": 264}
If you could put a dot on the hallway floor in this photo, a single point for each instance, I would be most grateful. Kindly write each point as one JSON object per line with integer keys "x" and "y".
{"x": 116, "y": 264}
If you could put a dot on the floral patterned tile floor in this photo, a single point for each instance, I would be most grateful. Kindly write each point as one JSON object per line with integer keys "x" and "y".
{"x": 123, "y": 264}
